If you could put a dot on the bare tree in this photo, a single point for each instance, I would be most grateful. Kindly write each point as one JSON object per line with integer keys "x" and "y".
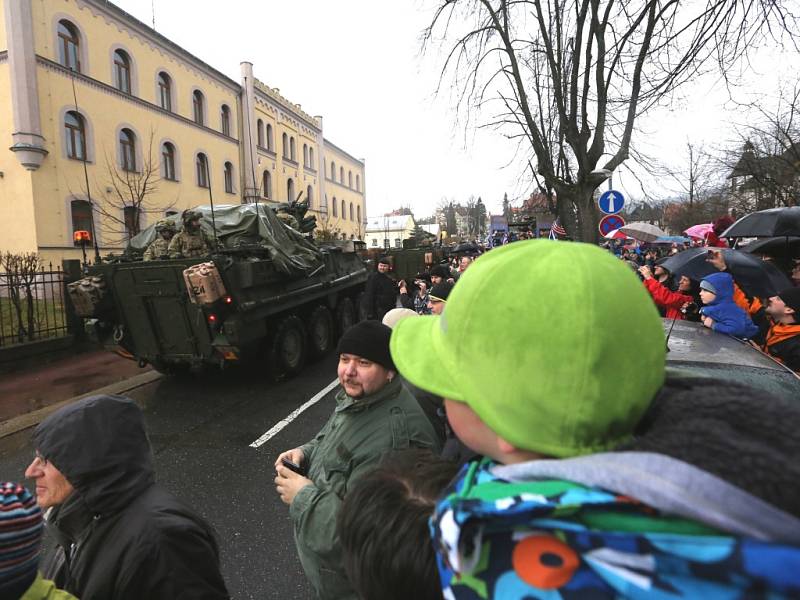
{"x": 698, "y": 175}
{"x": 569, "y": 79}
{"x": 20, "y": 272}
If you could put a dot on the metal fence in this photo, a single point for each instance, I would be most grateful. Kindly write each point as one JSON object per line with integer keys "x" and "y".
{"x": 32, "y": 305}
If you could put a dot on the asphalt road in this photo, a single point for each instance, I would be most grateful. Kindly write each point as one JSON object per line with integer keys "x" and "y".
{"x": 201, "y": 430}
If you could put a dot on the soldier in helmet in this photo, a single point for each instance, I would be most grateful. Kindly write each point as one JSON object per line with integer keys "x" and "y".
{"x": 159, "y": 247}
{"x": 192, "y": 241}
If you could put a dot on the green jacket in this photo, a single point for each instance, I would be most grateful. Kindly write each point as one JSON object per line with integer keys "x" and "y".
{"x": 352, "y": 442}
{"x": 43, "y": 589}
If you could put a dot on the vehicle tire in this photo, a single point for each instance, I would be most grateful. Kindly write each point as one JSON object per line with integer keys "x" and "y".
{"x": 361, "y": 309}
{"x": 345, "y": 315}
{"x": 288, "y": 347}
{"x": 321, "y": 332}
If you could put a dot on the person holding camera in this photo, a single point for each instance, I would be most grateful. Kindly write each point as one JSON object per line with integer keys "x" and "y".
{"x": 677, "y": 304}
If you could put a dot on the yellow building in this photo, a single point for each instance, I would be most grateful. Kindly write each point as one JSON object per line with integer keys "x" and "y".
{"x": 92, "y": 100}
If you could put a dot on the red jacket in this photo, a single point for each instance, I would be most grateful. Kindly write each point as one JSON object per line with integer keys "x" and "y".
{"x": 663, "y": 296}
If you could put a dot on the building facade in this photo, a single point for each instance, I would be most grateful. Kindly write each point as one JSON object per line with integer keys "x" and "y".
{"x": 388, "y": 231}
{"x": 108, "y": 126}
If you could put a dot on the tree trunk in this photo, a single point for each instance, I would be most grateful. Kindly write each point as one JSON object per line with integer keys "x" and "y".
{"x": 578, "y": 213}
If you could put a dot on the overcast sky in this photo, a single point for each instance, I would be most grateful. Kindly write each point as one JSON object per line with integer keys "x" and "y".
{"x": 358, "y": 63}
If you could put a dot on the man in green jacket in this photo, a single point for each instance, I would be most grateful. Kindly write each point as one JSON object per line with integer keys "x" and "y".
{"x": 374, "y": 415}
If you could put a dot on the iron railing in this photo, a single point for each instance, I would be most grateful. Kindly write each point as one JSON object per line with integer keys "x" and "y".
{"x": 32, "y": 305}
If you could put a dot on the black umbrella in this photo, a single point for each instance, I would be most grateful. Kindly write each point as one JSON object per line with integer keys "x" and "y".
{"x": 772, "y": 222}
{"x": 755, "y": 276}
{"x": 776, "y": 247}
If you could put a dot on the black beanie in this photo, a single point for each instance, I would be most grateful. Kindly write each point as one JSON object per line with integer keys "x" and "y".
{"x": 791, "y": 298}
{"x": 370, "y": 340}
{"x": 440, "y": 271}
{"x": 441, "y": 290}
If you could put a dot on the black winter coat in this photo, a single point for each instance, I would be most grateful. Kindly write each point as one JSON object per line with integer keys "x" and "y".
{"x": 120, "y": 535}
{"x": 380, "y": 295}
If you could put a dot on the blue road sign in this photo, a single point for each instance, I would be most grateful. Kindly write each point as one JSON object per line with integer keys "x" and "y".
{"x": 611, "y": 202}
{"x": 609, "y": 223}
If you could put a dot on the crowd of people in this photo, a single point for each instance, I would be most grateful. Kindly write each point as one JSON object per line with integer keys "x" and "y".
{"x": 491, "y": 438}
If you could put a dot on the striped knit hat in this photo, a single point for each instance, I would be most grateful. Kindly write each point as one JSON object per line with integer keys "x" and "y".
{"x": 20, "y": 537}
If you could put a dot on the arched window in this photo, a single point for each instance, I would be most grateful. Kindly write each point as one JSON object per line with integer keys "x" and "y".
{"x": 270, "y": 141}
{"x": 165, "y": 91}
{"x": 344, "y": 214}
{"x": 81, "y": 217}
{"x": 260, "y": 133}
{"x": 75, "y": 135}
{"x": 285, "y": 146}
{"x": 168, "y": 161}
{"x": 351, "y": 212}
{"x": 358, "y": 213}
{"x": 333, "y": 206}
{"x": 350, "y": 179}
{"x": 341, "y": 175}
{"x": 198, "y": 105}
{"x": 333, "y": 171}
{"x": 122, "y": 71}
{"x": 292, "y": 154}
{"x": 267, "y": 184}
{"x": 305, "y": 155}
{"x": 290, "y": 190}
{"x": 225, "y": 119}
{"x": 69, "y": 45}
{"x": 311, "y": 157}
{"x": 229, "y": 177}
{"x": 127, "y": 150}
{"x": 201, "y": 166}
{"x": 310, "y": 196}
{"x": 358, "y": 183}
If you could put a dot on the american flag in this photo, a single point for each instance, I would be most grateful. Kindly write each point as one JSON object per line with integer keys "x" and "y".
{"x": 556, "y": 230}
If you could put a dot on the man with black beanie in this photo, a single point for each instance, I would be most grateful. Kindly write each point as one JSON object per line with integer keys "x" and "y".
{"x": 380, "y": 293}
{"x": 374, "y": 415}
{"x": 783, "y": 338}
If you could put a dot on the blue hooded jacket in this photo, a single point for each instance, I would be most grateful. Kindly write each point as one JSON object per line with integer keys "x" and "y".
{"x": 728, "y": 317}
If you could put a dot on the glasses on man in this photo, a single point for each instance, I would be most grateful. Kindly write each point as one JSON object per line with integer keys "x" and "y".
{"x": 42, "y": 460}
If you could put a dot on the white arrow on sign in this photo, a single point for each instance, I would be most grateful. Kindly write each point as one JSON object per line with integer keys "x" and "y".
{"x": 611, "y": 203}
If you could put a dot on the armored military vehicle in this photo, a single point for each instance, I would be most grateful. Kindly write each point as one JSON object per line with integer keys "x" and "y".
{"x": 266, "y": 294}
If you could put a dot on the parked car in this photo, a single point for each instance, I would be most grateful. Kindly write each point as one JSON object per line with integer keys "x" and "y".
{"x": 697, "y": 351}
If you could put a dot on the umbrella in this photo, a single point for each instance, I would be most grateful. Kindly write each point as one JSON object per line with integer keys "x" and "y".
{"x": 699, "y": 231}
{"x": 644, "y": 232}
{"x": 671, "y": 239}
{"x": 777, "y": 247}
{"x": 772, "y": 222}
{"x": 616, "y": 234}
{"x": 755, "y": 276}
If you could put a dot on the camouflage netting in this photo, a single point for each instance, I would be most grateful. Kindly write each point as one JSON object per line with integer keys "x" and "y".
{"x": 238, "y": 226}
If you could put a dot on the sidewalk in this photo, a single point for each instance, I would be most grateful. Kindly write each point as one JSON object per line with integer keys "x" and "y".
{"x": 35, "y": 388}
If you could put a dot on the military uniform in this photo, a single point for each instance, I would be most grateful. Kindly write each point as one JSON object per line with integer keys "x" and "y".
{"x": 188, "y": 244}
{"x": 159, "y": 248}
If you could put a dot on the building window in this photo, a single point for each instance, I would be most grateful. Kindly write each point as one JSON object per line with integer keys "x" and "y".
{"x": 270, "y": 141}
{"x": 267, "y": 183}
{"x": 122, "y": 71}
{"x": 292, "y": 154}
{"x": 81, "y": 218}
{"x": 341, "y": 175}
{"x": 386, "y": 243}
{"x": 358, "y": 213}
{"x": 310, "y": 157}
{"x": 310, "y": 196}
{"x": 225, "y": 119}
{"x": 375, "y": 242}
{"x": 127, "y": 150}
{"x": 229, "y": 177}
{"x": 305, "y": 155}
{"x": 168, "y": 161}
{"x": 285, "y": 146}
{"x": 165, "y": 91}
{"x": 344, "y": 214}
{"x": 398, "y": 243}
{"x": 69, "y": 46}
{"x": 333, "y": 206}
{"x": 358, "y": 183}
{"x": 290, "y": 190}
{"x": 75, "y": 130}
{"x": 201, "y": 166}
{"x": 132, "y": 217}
{"x": 333, "y": 171}
{"x": 350, "y": 179}
{"x": 198, "y": 105}
{"x": 351, "y": 212}
{"x": 260, "y": 133}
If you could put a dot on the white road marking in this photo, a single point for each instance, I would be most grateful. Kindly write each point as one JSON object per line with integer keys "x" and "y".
{"x": 276, "y": 429}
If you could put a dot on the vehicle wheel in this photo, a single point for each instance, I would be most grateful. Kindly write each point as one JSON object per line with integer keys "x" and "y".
{"x": 345, "y": 315}
{"x": 321, "y": 333}
{"x": 288, "y": 355}
{"x": 361, "y": 310}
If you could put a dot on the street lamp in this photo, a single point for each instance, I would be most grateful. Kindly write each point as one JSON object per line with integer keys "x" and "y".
{"x": 605, "y": 174}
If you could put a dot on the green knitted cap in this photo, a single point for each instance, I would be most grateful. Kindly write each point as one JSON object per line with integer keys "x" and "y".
{"x": 556, "y": 346}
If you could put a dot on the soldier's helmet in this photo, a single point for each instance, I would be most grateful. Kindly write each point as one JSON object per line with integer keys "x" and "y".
{"x": 190, "y": 215}
{"x": 164, "y": 225}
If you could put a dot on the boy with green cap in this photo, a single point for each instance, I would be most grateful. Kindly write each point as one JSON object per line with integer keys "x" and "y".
{"x": 555, "y": 388}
